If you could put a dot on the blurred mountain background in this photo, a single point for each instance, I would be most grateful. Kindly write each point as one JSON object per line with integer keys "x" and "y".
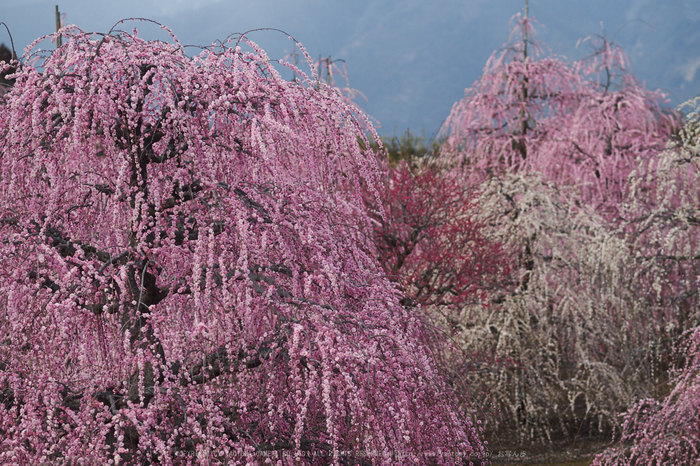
{"x": 411, "y": 59}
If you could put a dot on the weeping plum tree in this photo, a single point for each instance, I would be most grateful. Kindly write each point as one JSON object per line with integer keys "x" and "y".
{"x": 553, "y": 149}
{"x": 563, "y": 353}
{"x": 188, "y": 275}
{"x": 582, "y": 124}
{"x": 664, "y": 228}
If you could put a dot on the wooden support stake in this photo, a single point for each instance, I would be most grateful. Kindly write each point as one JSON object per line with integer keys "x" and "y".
{"x": 59, "y": 42}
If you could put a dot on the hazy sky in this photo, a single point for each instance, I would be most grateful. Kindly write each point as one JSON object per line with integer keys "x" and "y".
{"x": 411, "y": 59}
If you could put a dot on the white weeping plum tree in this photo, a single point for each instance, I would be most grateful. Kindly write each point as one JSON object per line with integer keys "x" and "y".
{"x": 187, "y": 272}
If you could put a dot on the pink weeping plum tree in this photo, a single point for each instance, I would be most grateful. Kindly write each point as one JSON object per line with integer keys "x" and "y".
{"x": 555, "y": 149}
{"x": 187, "y": 270}
{"x": 580, "y": 124}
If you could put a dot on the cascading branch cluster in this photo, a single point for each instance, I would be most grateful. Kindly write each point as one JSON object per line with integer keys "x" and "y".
{"x": 187, "y": 273}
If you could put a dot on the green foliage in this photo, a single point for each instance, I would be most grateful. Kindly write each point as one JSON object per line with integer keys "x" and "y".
{"x": 408, "y": 147}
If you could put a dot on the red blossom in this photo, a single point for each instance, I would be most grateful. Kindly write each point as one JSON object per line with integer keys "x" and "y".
{"x": 431, "y": 243}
